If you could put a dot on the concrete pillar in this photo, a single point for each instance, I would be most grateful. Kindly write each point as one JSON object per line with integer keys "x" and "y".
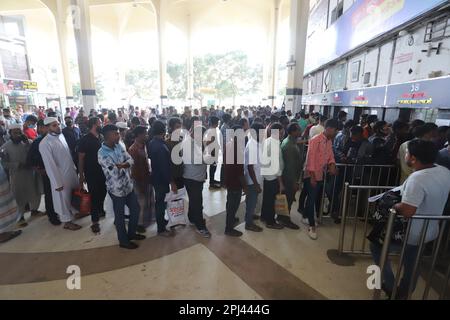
{"x": 60, "y": 10}
{"x": 190, "y": 62}
{"x": 82, "y": 29}
{"x": 270, "y": 74}
{"x": 161, "y": 26}
{"x": 298, "y": 32}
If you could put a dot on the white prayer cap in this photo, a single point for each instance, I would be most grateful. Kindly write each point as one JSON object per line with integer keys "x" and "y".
{"x": 49, "y": 120}
{"x": 122, "y": 125}
{"x": 15, "y": 126}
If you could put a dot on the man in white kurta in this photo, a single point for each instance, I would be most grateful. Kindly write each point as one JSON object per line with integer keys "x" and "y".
{"x": 61, "y": 172}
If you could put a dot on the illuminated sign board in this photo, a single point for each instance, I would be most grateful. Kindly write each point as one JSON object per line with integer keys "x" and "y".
{"x": 427, "y": 93}
{"x": 18, "y": 85}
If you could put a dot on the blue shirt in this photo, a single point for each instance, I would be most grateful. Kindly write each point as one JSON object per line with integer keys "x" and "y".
{"x": 118, "y": 181}
{"x": 159, "y": 154}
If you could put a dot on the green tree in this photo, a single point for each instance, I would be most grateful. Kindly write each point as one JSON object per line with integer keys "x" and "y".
{"x": 177, "y": 81}
{"x": 144, "y": 82}
{"x": 229, "y": 74}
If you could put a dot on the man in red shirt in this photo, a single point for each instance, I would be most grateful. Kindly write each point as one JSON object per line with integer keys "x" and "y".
{"x": 29, "y": 127}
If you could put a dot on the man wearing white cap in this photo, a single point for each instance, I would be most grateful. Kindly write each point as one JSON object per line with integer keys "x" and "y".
{"x": 25, "y": 183}
{"x": 123, "y": 129}
{"x": 60, "y": 170}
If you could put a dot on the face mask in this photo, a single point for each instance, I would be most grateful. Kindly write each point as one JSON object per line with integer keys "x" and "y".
{"x": 32, "y": 126}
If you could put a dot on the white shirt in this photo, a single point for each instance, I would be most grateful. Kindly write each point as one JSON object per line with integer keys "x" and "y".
{"x": 428, "y": 191}
{"x": 271, "y": 159}
{"x": 253, "y": 157}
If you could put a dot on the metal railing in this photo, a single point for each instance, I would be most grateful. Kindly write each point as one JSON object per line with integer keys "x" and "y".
{"x": 356, "y": 216}
{"x": 404, "y": 288}
{"x": 354, "y": 175}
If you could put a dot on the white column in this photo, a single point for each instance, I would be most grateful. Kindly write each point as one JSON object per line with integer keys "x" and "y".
{"x": 298, "y": 32}
{"x": 190, "y": 62}
{"x": 61, "y": 15}
{"x": 82, "y": 29}
{"x": 273, "y": 62}
{"x": 161, "y": 25}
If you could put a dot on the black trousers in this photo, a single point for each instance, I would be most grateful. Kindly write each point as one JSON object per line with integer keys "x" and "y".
{"x": 52, "y": 216}
{"x": 212, "y": 173}
{"x": 302, "y": 201}
{"x": 195, "y": 193}
{"x": 160, "y": 206}
{"x": 271, "y": 189}
{"x": 233, "y": 202}
{"x": 97, "y": 189}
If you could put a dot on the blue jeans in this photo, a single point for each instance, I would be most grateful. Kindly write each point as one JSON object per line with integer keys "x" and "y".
{"x": 251, "y": 199}
{"x": 408, "y": 265}
{"x": 312, "y": 195}
{"x": 119, "y": 216}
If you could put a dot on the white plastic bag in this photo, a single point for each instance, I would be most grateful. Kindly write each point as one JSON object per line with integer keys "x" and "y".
{"x": 175, "y": 212}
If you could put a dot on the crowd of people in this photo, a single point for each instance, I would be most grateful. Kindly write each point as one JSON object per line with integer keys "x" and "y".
{"x": 129, "y": 155}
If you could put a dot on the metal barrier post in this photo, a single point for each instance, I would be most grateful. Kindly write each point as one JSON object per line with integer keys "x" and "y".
{"x": 433, "y": 263}
{"x": 419, "y": 254}
{"x": 385, "y": 250}
{"x": 343, "y": 219}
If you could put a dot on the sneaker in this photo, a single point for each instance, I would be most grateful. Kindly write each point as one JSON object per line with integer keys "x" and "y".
{"x": 204, "y": 233}
{"x": 141, "y": 229}
{"x": 253, "y": 227}
{"x": 305, "y": 221}
{"x": 130, "y": 246}
{"x": 274, "y": 225}
{"x": 138, "y": 237}
{"x": 312, "y": 234}
{"x": 233, "y": 233}
{"x": 95, "y": 228}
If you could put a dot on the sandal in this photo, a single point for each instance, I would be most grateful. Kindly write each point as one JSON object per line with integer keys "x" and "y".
{"x": 37, "y": 213}
{"x": 7, "y": 236}
{"x": 72, "y": 226}
{"x": 22, "y": 223}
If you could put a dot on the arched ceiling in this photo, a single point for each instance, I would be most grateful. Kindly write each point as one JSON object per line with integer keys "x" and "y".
{"x": 119, "y": 16}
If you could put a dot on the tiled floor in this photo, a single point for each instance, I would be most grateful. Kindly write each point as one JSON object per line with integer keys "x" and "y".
{"x": 274, "y": 264}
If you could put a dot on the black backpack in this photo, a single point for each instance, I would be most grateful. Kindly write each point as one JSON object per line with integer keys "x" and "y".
{"x": 381, "y": 217}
